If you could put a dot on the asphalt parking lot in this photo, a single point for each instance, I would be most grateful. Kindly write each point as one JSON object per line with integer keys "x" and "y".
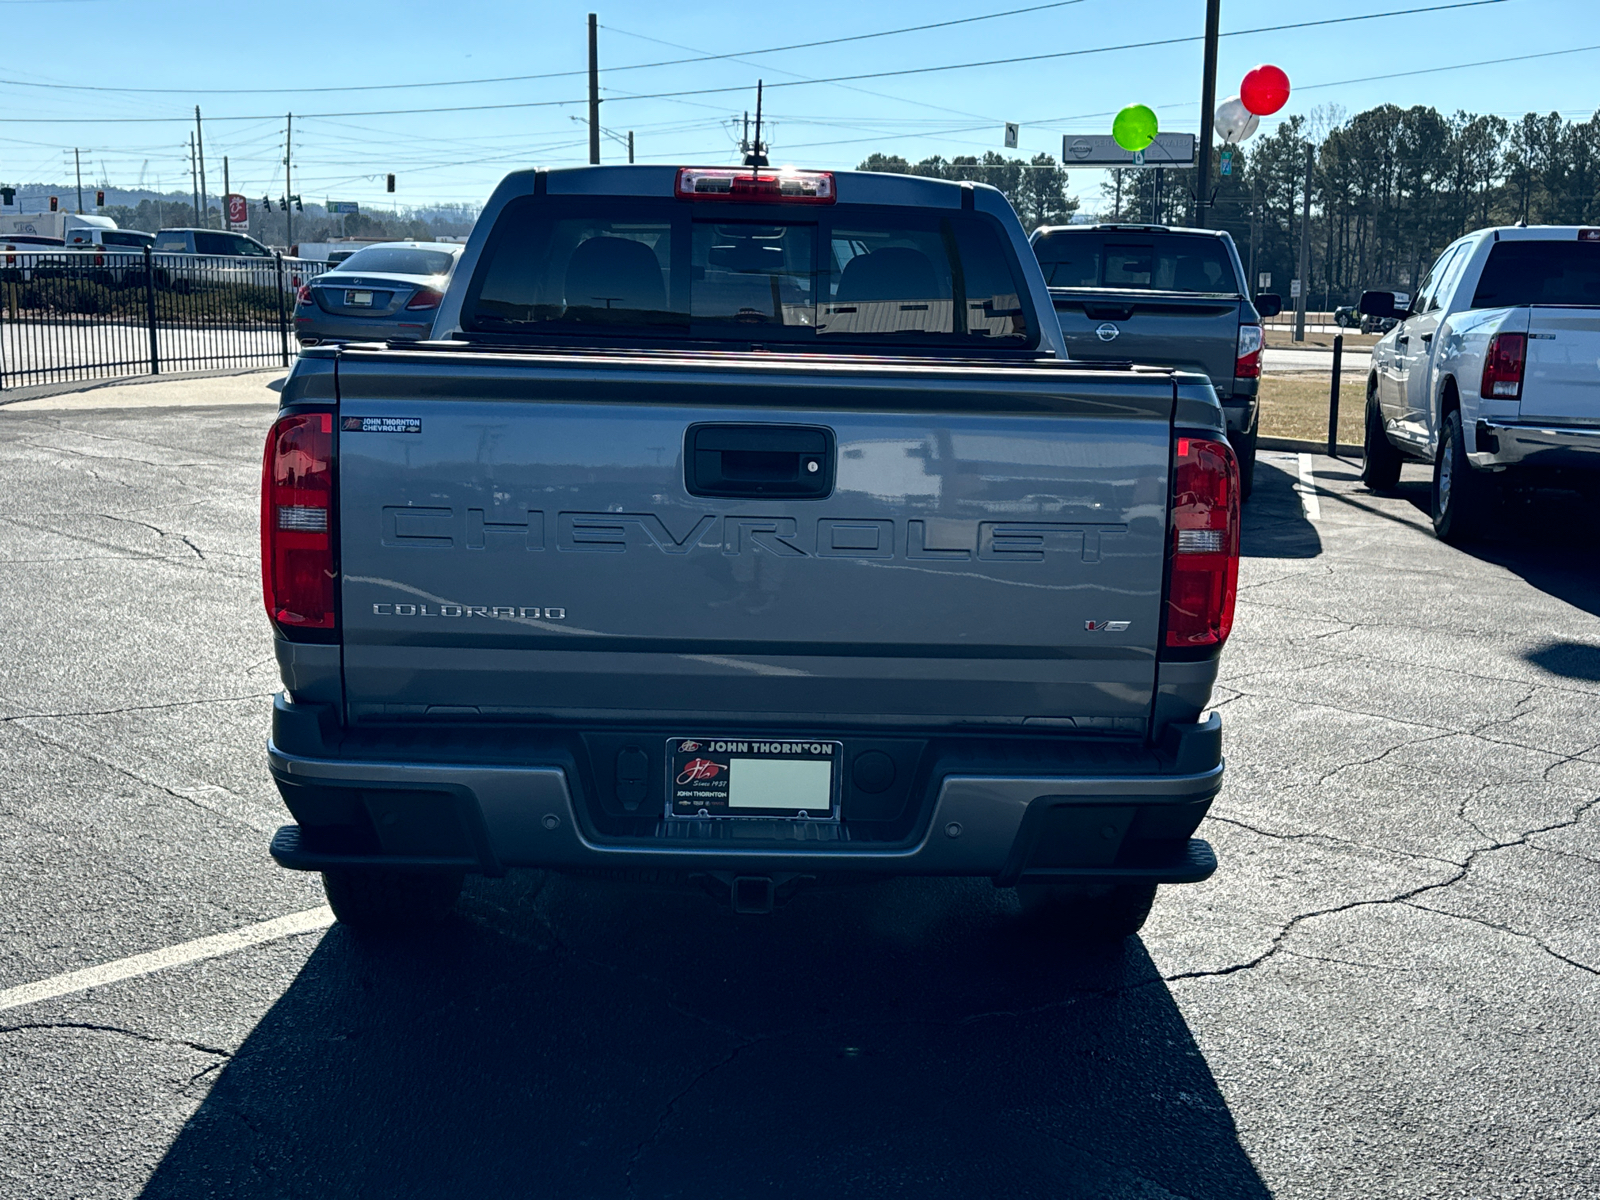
{"x": 1390, "y": 988}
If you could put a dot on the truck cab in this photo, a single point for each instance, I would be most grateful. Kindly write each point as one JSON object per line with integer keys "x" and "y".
{"x": 1164, "y": 295}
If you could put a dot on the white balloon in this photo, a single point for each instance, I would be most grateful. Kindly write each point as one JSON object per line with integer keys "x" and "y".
{"x": 1234, "y": 121}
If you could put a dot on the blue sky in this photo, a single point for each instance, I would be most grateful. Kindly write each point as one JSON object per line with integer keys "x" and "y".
{"x": 445, "y": 157}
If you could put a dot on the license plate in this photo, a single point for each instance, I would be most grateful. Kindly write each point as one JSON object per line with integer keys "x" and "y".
{"x": 358, "y": 299}
{"x": 753, "y": 777}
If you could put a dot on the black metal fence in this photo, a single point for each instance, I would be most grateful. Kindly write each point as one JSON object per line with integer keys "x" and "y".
{"x": 85, "y": 314}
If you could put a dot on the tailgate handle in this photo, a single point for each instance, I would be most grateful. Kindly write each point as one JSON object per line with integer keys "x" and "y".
{"x": 1107, "y": 312}
{"x": 759, "y": 461}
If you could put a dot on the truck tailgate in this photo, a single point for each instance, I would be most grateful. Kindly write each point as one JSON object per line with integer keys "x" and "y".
{"x": 1169, "y": 329}
{"x": 1562, "y": 382}
{"x": 518, "y": 539}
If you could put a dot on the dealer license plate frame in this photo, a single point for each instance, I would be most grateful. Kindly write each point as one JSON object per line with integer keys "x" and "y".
{"x": 752, "y": 767}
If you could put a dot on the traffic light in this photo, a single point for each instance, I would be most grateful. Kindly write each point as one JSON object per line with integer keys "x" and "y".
{"x": 55, "y": 203}
{"x": 391, "y": 183}
{"x": 266, "y": 203}
{"x": 99, "y": 199}
{"x": 297, "y": 205}
{"x": 8, "y": 195}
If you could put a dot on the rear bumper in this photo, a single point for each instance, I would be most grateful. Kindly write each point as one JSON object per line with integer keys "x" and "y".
{"x": 1568, "y": 446}
{"x": 320, "y": 328}
{"x": 1024, "y": 827}
{"x": 1239, "y": 409}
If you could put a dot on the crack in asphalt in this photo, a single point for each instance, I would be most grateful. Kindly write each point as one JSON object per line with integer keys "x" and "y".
{"x": 192, "y": 801}
{"x": 1464, "y": 869}
{"x": 93, "y": 1027}
{"x": 132, "y": 708}
{"x": 1348, "y": 962}
{"x": 127, "y": 552}
{"x": 644, "y": 1147}
{"x": 1514, "y": 932}
{"x": 1336, "y": 839}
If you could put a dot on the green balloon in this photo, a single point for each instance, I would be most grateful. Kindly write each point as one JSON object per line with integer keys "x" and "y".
{"x": 1135, "y": 127}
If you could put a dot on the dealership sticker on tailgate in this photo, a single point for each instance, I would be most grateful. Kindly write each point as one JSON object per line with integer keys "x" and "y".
{"x": 381, "y": 424}
{"x": 755, "y": 777}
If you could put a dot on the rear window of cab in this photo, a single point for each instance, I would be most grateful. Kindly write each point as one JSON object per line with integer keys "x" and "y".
{"x": 1162, "y": 262}
{"x": 661, "y": 268}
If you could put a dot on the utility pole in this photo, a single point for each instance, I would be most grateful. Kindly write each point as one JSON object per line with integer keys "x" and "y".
{"x": 227, "y": 190}
{"x": 77, "y": 166}
{"x": 200, "y": 141}
{"x": 288, "y": 184}
{"x": 194, "y": 181}
{"x": 630, "y": 147}
{"x": 1305, "y": 251}
{"x": 1208, "y": 108}
{"x": 1255, "y": 203}
{"x": 594, "y": 91}
{"x": 757, "y": 157}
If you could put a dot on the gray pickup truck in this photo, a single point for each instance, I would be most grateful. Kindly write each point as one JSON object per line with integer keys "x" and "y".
{"x": 749, "y": 528}
{"x": 1163, "y": 295}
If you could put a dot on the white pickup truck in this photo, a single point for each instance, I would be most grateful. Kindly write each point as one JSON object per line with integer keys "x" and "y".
{"x": 1493, "y": 372}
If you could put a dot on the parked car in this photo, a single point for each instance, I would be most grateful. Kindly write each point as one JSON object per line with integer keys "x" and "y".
{"x": 212, "y": 242}
{"x": 1163, "y": 295}
{"x": 750, "y": 526}
{"x": 1489, "y": 373}
{"x": 1346, "y": 316}
{"x": 119, "y": 241}
{"x": 380, "y": 293}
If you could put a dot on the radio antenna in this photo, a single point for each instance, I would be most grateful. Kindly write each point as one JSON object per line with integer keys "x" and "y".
{"x": 757, "y": 157}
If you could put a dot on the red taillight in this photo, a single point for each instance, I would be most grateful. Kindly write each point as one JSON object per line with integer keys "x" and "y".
{"x": 303, "y": 295}
{"x": 769, "y": 187}
{"x": 425, "y": 298}
{"x": 1247, "y": 363}
{"x": 1205, "y": 543}
{"x": 1502, "y": 367}
{"x": 298, "y": 571}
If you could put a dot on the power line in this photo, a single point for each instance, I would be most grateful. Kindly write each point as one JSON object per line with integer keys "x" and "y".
{"x": 906, "y": 71}
{"x": 671, "y": 62}
{"x": 1487, "y": 62}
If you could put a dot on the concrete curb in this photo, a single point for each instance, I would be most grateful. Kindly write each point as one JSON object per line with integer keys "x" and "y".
{"x": 1272, "y": 443}
{"x": 43, "y": 391}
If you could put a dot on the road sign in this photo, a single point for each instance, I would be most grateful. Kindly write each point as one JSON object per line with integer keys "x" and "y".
{"x": 238, "y": 211}
{"x": 1101, "y": 150}
{"x": 1294, "y": 289}
{"x": 1011, "y": 135}
{"x": 342, "y": 207}
{"x": 1263, "y": 281}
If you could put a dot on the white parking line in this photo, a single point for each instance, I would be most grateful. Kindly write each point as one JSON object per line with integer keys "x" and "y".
{"x": 1307, "y": 488}
{"x": 172, "y": 956}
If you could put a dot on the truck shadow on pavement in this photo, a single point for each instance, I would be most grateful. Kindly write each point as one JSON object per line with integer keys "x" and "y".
{"x": 572, "y": 1037}
{"x": 1273, "y": 523}
{"x": 1548, "y": 538}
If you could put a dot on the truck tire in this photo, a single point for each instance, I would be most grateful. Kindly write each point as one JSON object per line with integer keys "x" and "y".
{"x": 1244, "y": 448}
{"x": 1087, "y": 912}
{"x": 1380, "y": 468}
{"x": 1464, "y": 498}
{"x": 389, "y": 898}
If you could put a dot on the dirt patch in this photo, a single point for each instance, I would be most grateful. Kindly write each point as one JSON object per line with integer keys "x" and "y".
{"x": 1294, "y": 406}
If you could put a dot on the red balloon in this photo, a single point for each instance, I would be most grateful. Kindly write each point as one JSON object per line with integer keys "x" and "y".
{"x": 1265, "y": 90}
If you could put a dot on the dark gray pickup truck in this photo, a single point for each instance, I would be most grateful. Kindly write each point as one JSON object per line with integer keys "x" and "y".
{"x": 749, "y": 528}
{"x": 1168, "y": 296}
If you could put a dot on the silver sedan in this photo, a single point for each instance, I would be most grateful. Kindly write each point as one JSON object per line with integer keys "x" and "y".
{"x": 388, "y": 292}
